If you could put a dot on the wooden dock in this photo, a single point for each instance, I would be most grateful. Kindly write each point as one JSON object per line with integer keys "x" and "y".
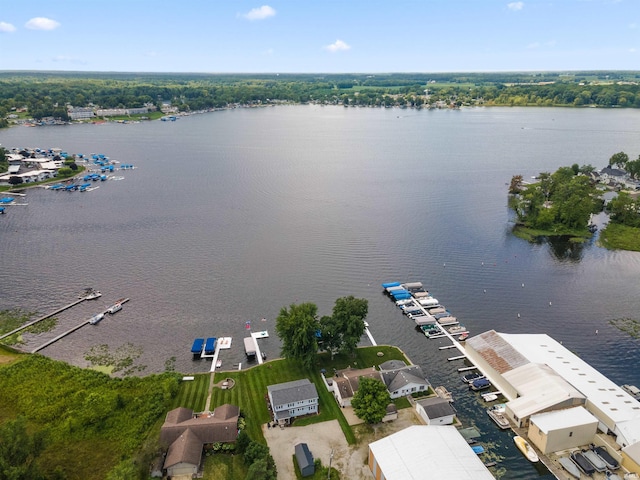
{"x": 27, "y": 325}
{"x": 71, "y": 330}
{"x": 62, "y": 335}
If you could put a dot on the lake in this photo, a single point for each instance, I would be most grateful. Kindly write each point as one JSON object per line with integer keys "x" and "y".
{"x": 232, "y": 215}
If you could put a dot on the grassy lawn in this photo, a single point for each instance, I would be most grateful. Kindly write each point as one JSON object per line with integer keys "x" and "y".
{"x": 250, "y": 389}
{"x": 531, "y": 234}
{"x": 620, "y": 237}
{"x": 193, "y": 393}
{"x": 224, "y": 467}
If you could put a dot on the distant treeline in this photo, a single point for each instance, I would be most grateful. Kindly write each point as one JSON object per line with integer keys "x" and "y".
{"x": 42, "y": 94}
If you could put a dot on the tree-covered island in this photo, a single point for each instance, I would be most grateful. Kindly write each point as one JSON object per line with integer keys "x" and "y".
{"x": 563, "y": 203}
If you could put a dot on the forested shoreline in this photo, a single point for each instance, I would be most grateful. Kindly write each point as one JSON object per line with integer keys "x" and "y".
{"x": 50, "y": 94}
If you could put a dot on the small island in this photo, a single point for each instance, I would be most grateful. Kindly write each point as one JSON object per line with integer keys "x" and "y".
{"x": 563, "y": 203}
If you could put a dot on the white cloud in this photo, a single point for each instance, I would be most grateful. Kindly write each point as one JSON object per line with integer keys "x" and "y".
{"x": 515, "y": 6}
{"x": 7, "y": 27}
{"x": 260, "y": 13}
{"x": 337, "y": 46}
{"x": 41, "y": 23}
{"x": 632, "y": 50}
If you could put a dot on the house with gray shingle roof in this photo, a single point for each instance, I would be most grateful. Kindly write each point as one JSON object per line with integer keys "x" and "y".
{"x": 436, "y": 411}
{"x": 292, "y": 399}
{"x": 402, "y": 379}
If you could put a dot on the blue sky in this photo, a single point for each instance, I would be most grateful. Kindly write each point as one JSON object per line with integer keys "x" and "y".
{"x": 319, "y": 36}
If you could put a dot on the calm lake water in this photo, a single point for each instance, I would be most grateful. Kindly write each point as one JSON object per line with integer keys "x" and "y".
{"x": 232, "y": 215}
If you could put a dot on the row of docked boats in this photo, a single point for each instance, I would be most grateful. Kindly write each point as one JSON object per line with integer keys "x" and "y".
{"x": 590, "y": 460}
{"x": 428, "y": 314}
{"x": 116, "y": 307}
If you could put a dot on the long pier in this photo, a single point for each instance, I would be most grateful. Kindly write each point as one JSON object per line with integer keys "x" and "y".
{"x": 73, "y": 329}
{"x": 62, "y": 335}
{"x": 27, "y": 325}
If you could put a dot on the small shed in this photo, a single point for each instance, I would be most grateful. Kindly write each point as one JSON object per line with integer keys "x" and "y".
{"x": 435, "y": 411}
{"x": 304, "y": 459}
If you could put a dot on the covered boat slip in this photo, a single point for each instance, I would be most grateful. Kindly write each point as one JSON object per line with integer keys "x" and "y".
{"x": 210, "y": 346}
{"x": 250, "y": 347}
{"x": 197, "y": 346}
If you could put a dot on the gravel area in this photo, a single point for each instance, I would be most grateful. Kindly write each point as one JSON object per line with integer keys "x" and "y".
{"x": 350, "y": 461}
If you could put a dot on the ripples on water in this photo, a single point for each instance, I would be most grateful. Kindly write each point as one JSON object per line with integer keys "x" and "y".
{"x": 233, "y": 215}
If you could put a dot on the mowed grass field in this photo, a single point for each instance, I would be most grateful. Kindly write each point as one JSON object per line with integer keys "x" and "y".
{"x": 250, "y": 390}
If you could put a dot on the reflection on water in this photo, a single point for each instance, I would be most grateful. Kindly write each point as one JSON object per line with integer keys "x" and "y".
{"x": 230, "y": 216}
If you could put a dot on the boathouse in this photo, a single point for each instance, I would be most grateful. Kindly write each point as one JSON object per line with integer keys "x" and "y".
{"x": 402, "y": 455}
{"x": 436, "y": 411}
{"x": 562, "y": 429}
{"x": 250, "y": 348}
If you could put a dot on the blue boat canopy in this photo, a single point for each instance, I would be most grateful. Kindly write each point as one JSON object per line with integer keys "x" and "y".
{"x": 391, "y": 284}
{"x": 210, "y": 345}
{"x": 197, "y": 345}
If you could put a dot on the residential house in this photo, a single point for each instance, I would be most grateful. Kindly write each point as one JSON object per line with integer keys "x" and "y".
{"x": 345, "y": 383}
{"x": 292, "y": 399}
{"x": 402, "y": 379}
{"x": 436, "y": 411}
{"x": 185, "y": 434}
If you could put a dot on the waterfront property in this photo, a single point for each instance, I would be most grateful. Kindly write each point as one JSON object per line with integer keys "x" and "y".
{"x": 562, "y": 429}
{"x": 402, "y": 379}
{"x": 345, "y": 383}
{"x": 404, "y": 455}
{"x": 436, "y": 411}
{"x": 540, "y": 377}
{"x": 185, "y": 434}
{"x": 292, "y": 399}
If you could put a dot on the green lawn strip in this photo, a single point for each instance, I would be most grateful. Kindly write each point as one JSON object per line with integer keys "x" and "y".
{"x": 621, "y": 237}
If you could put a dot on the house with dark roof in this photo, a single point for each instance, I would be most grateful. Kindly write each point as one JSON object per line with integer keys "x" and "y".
{"x": 345, "y": 383}
{"x": 436, "y": 411}
{"x": 304, "y": 460}
{"x": 292, "y": 399}
{"x": 185, "y": 434}
{"x": 402, "y": 379}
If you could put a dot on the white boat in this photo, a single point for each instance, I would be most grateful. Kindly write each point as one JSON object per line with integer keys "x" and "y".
{"x": 489, "y": 396}
{"x": 457, "y": 329}
{"x": 496, "y": 413}
{"x": 442, "y": 392}
{"x": 526, "y": 449}
{"x": 569, "y": 466}
{"x": 116, "y": 307}
{"x": 96, "y": 318}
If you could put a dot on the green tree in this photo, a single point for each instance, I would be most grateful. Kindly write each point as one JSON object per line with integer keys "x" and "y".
{"x": 261, "y": 470}
{"x": 342, "y": 331}
{"x": 624, "y": 210}
{"x": 619, "y": 159}
{"x": 633, "y": 168}
{"x": 297, "y": 328}
{"x": 370, "y": 401}
{"x": 516, "y": 184}
{"x": 19, "y": 451}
